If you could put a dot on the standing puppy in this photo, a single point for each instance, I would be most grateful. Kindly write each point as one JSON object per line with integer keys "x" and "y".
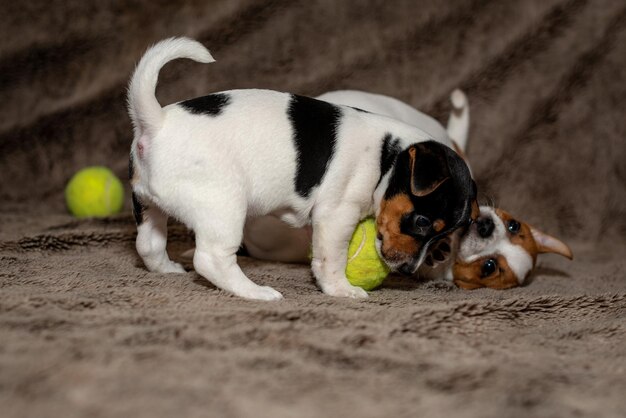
{"x": 214, "y": 161}
{"x": 268, "y": 238}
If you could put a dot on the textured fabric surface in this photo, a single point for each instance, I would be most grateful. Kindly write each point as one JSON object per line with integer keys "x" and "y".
{"x": 85, "y": 330}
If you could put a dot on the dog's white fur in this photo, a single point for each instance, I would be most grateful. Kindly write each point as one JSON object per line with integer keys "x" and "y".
{"x": 213, "y": 173}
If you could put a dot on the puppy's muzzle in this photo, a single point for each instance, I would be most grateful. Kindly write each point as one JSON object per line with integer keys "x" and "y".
{"x": 407, "y": 269}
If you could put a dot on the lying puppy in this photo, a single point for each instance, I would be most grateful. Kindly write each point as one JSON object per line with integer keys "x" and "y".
{"x": 214, "y": 161}
{"x": 497, "y": 251}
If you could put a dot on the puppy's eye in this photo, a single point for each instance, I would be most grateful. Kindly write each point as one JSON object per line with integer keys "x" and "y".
{"x": 421, "y": 224}
{"x": 489, "y": 267}
{"x": 414, "y": 224}
{"x": 513, "y": 226}
{"x": 421, "y": 221}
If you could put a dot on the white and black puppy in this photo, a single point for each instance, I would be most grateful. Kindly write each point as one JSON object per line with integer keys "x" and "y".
{"x": 497, "y": 251}
{"x": 269, "y": 238}
{"x": 214, "y": 161}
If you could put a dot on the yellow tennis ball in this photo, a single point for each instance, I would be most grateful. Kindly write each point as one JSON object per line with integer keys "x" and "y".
{"x": 94, "y": 192}
{"x": 365, "y": 268}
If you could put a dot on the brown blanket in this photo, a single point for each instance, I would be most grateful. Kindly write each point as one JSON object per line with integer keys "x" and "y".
{"x": 85, "y": 330}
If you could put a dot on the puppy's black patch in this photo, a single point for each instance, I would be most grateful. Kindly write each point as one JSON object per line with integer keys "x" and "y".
{"x": 138, "y": 209}
{"x": 211, "y": 105}
{"x": 314, "y": 125}
{"x": 390, "y": 150}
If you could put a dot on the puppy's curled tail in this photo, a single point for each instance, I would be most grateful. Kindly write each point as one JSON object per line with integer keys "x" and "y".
{"x": 458, "y": 123}
{"x": 143, "y": 107}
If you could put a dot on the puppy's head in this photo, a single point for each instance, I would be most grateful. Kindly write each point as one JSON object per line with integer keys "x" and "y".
{"x": 499, "y": 251}
{"x": 430, "y": 194}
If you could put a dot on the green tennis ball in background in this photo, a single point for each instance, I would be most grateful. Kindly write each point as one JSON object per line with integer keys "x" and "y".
{"x": 365, "y": 268}
{"x": 94, "y": 192}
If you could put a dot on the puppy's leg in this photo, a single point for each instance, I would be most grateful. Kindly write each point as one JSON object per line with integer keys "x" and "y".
{"x": 332, "y": 229}
{"x": 151, "y": 242}
{"x": 218, "y": 236}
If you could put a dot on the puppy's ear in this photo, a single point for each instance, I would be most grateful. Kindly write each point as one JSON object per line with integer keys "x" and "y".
{"x": 429, "y": 169}
{"x": 549, "y": 244}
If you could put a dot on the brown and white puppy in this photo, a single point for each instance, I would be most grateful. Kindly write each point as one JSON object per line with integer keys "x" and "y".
{"x": 500, "y": 251}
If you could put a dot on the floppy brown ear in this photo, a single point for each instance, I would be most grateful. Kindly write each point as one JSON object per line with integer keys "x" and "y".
{"x": 428, "y": 171}
{"x": 549, "y": 244}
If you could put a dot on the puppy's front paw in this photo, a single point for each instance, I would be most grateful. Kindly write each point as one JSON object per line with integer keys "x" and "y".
{"x": 173, "y": 267}
{"x": 166, "y": 267}
{"x": 260, "y": 293}
{"x": 345, "y": 291}
{"x": 439, "y": 253}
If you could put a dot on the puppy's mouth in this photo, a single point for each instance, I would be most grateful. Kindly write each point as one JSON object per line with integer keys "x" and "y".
{"x": 406, "y": 264}
{"x": 471, "y": 230}
{"x": 472, "y": 241}
{"x": 469, "y": 237}
{"x": 402, "y": 263}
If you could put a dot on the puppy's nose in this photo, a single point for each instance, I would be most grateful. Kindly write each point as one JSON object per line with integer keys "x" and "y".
{"x": 485, "y": 227}
{"x": 406, "y": 269}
